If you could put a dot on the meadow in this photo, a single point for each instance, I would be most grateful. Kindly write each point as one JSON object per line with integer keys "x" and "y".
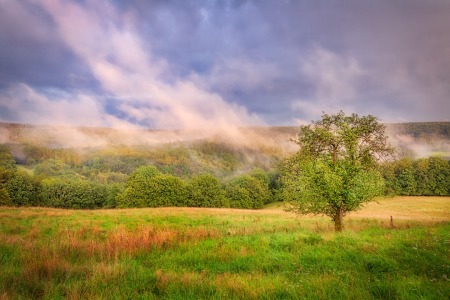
{"x": 205, "y": 253}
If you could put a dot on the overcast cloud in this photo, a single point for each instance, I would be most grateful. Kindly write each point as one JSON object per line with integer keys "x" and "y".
{"x": 219, "y": 64}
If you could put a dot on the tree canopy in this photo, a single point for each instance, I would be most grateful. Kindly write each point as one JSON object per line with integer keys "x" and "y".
{"x": 335, "y": 170}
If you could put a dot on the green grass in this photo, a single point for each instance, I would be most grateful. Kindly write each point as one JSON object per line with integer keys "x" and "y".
{"x": 187, "y": 253}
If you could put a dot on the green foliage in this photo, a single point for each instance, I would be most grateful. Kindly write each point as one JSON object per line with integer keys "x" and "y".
{"x": 326, "y": 188}
{"x": 422, "y": 130}
{"x": 7, "y": 161}
{"x": 147, "y": 188}
{"x": 55, "y": 168}
{"x": 23, "y": 189}
{"x": 222, "y": 156}
{"x": 405, "y": 177}
{"x": 422, "y": 177}
{"x": 143, "y": 173}
{"x": 5, "y": 176}
{"x": 359, "y": 140}
{"x": 267, "y": 181}
{"x": 439, "y": 176}
{"x": 334, "y": 171}
{"x": 38, "y": 153}
{"x": 119, "y": 160}
{"x": 113, "y": 191}
{"x": 261, "y": 176}
{"x": 166, "y": 190}
{"x": 110, "y": 167}
{"x": 205, "y": 190}
{"x": 136, "y": 193}
{"x": 111, "y": 177}
{"x": 78, "y": 194}
{"x": 5, "y": 199}
{"x": 17, "y": 188}
{"x": 246, "y": 191}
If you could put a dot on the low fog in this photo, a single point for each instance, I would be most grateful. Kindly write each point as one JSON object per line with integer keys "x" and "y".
{"x": 269, "y": 139}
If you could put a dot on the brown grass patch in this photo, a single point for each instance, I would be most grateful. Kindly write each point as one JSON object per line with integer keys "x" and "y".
{"x": 41, "y": 265}
{"x": 4, "y": 296}
{"x": 127, "y": 241}
{"x": 432, "y": 209}
{"x": 6, "y": 211}
{"x": 186, "y": 279}
{"x": 239, "y": 284}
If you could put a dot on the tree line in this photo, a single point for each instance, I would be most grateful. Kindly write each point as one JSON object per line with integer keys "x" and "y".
{"x": 421, "y": 177}
{"x": 55, "y": 184}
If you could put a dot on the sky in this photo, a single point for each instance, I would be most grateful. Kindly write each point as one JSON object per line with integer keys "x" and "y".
{"x": 214, "y": 64}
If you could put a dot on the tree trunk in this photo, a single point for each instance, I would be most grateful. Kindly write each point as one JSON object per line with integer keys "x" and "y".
{"x": 338, "y": 226}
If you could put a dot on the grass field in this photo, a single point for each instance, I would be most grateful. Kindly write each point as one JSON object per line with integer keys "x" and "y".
{"x": 187, "y": 253}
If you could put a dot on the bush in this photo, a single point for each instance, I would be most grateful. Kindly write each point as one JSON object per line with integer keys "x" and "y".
{"x": 78, "y": 194}
{"x": 153, "y": 191}
{"x": 5, "y": 199}
{"x": 7, "y": 161}
{"x": 268, "y": 182}
{"x": 23, "y": 189}
{"x": 113, "y": 191}
{"x": 143, "y": 173}
{"x": 205, "y": 191}
{"x": 18, "y": 188}
{"x": 246, "y": 191}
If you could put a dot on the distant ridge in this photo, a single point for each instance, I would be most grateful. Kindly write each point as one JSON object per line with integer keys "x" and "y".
{"x": 435, "y": 134}
{"x": 421, "y": 129}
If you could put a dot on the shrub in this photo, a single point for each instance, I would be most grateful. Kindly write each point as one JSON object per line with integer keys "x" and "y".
{"x": 205, "y": 191}
{"x": 23, "y": 189}
{"x": 267, "y": 181}
{"x": 79, "y": 194}
{"x": 7, "y": 161}
{"x": 18, "y": 188}
{"x": 246, "y": 191}
{"x": 153, "y": 191}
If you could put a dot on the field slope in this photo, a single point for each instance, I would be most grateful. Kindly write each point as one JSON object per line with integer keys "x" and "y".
{"x": 187, "y": 253}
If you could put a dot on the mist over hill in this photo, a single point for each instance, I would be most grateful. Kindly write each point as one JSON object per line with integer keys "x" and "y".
{"x": 84, "y": 167}
{"x": 417, "y": 139}
{"x": 420, "y": 139}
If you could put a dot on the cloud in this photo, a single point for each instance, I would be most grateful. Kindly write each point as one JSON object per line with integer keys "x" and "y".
{"x": 107, "y": 42}
{"x": 77, "y": 109}
{"x": 240, "y": 74}
{"x": 276, "y": 60}
{"x": 334, "y": 82}
{"x": 31, "y": 51}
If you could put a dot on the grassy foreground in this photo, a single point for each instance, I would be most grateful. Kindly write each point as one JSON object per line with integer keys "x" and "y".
{"x": 186, "y": 253}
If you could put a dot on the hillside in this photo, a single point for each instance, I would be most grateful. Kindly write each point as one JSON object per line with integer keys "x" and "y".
{"x": 421, "y": 130}
{"x": 65, "y": 136}
{"x": 241, "y": 168}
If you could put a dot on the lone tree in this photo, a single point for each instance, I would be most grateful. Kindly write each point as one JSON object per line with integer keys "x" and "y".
{"x": 335, "y": 170}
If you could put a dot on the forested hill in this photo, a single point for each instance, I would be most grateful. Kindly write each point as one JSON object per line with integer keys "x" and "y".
{"x": 56, "y": 135}
{"x": 79, "y": 167}
{"x": 419, "y": 139}
{"x": 421, "y": 130}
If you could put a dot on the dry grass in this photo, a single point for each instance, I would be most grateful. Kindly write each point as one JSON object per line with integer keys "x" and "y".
{"x": 125, "y": 241}
{"x": 430, "y": 209}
